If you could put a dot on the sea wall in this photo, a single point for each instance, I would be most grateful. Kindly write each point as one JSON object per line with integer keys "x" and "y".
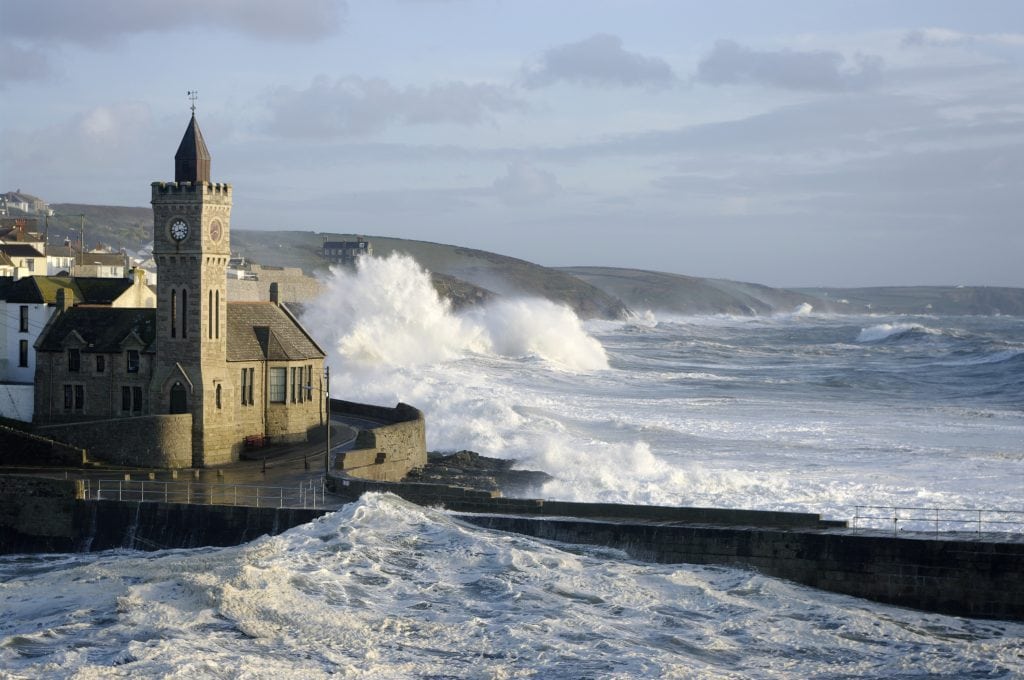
{"x": 959, "y": 577}
{"x": 163, "y": 441}
{"x": 387, "y": 451}
{"x": 948, "y": 574}
{"x": 38, "y": 514}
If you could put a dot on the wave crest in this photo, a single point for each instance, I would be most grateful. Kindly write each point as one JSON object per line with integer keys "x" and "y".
{"x": 388, "y": 313}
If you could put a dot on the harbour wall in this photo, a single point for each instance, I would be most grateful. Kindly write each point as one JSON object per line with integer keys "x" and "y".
{"x": 951, "y": 575}
{"x": 396, "y": 444}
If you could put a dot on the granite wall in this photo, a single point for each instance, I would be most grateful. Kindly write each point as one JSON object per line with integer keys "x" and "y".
{"x": 163, "y": 441}
{"x": 388, "y": 451}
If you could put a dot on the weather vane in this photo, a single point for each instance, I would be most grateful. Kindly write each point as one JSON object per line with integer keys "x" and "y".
{"x": 193, "y": 95}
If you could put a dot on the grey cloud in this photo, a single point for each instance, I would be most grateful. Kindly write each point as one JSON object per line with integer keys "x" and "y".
{"x": 940, "y": 37}
{"x": 731, "y": 63}
{"x": 353, "y": 106}
{"x": 598, "y": 60}
{"x": 523, "y": 184}
{"x": 21, "y": 63}
{"x": 98, "y": 22}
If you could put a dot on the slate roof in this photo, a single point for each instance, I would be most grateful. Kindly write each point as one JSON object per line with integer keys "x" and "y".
{"x": 103, "y": 259}
{"x": 192, "y": 160}
{"x": 102, "y": 328}
{"x": 90, "y": 290}
{"x": 19, "y": 250}
{"x": 100, "y": 291}
{"x": 262, "y": 330}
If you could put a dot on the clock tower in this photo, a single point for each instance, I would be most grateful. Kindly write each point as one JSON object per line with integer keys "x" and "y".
{"x": 191, "y": 246}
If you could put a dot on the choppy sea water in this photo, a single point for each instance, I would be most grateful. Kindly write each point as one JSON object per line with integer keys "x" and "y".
{"x": 798, "y": 411}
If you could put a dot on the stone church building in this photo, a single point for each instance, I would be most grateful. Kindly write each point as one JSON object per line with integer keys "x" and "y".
{"x": 244, "y": 371}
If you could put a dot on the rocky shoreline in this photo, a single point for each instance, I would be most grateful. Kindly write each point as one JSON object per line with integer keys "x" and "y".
{"x": 470, "y": 469}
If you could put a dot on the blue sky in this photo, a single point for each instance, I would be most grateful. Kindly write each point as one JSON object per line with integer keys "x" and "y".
{"x": 789, "y": 143}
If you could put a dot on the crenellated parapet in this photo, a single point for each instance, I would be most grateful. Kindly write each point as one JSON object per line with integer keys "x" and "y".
{"x": 212, "y": 189}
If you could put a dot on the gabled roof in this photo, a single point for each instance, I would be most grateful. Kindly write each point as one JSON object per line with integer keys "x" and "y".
{"x": 192, "y": 161}
{"x": 262, "y": 330}
{"x": 90, "y": 290}
{"x": 103, "y": 329}
{"x": 19, "y": 250}
{"x": 38, "y": 289}
{"x": 100, "y": 291}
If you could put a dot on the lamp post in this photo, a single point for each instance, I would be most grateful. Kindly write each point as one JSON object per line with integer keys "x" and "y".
{"x": 327, "y": 411}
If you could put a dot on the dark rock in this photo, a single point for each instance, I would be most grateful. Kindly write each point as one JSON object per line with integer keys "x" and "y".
{"x": 470, "y": 469}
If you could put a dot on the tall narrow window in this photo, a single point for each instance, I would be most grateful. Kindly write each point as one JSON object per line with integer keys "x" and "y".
{"x": 278, "y": 377}
{"x": 133, "y": 361}
{"x": 23, "y": 353}
{"x": 184, "y": 313}
{"x": 216, "y": 315}
{"x": 218, "y": 396}
{"x": 68, "y": 397}
{"x": 293, "y": 384}
{"x": 126, "y": 399}
{"x": 174, "y": 313}
{"x": 23, "y": 319}
{"x": 79, "y": 397}
{"x": 74, "y": 360}
{"x": 209, "y": 317}
{"x": 251, "y": 381}
{"x": 245, "y": 384}
{"x": 137, "y": 400}
{"x": 101, "y": 363}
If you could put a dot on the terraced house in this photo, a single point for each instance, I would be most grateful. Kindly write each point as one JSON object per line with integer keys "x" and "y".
{"x": 239, "y": 370}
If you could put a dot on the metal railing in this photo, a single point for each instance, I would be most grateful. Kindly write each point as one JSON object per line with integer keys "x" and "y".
{"x": 936, "y": 520}
{"x": 308, "y": 494}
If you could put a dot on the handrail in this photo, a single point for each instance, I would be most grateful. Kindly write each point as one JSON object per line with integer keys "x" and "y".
{"x": 937, "y": 519}
{"x": 308, "y": 494}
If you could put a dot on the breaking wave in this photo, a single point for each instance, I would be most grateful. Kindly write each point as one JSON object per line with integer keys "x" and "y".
{"x": 389, "y": 313}
{"x": 886, "y": 332}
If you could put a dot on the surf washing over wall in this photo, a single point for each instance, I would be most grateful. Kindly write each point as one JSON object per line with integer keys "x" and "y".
{"x": 800, "y": 411}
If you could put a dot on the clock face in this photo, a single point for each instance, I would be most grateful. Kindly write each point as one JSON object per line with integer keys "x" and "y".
{"x": 179, "y": 230}
{"x": 215, "y": 230}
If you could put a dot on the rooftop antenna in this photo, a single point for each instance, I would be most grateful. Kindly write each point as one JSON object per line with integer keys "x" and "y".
{"x": 193, "y": 95}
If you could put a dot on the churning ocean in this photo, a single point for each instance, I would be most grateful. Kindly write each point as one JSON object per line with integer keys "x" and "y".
{"x": 800, "y": 411}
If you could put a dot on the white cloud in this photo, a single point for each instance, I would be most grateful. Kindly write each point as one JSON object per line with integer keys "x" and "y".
{"x": 730, "y": 63}
{"x": 598, "y": 60}
{"x": 352, "y": 106}
{"x": 523, "y": 183}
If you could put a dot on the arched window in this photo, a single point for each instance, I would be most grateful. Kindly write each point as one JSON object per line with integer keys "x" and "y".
{"x": 179, "y": 401}
{"x": 218, "y": 396}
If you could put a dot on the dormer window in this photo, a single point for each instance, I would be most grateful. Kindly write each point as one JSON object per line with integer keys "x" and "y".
{"x": 74, "y": 360}
{"x": 133, "y": 361}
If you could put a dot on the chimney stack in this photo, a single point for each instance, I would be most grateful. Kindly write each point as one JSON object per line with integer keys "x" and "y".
{"x": 275, "y": 296}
